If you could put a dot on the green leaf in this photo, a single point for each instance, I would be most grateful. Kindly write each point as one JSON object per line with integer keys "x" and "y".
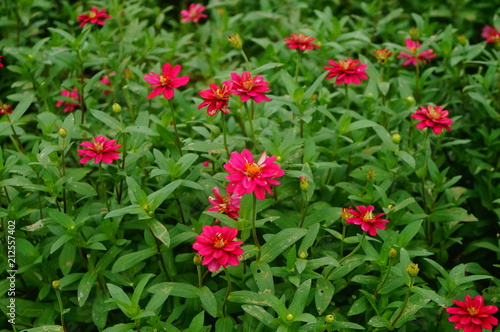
{"x": 85, "y": 287}
{"x": 176, "y": 289}
{"x": 141, "y": 130}
{"x": 323, "y": 294}
{"x": 118, "y": 294}
{"x": 90, "y": 84}
{"x": 430, "y": 294}
{"x": 127, "y": 261}
{"x": 158, "y": 197}
{"x": 280, "y": 242}
{"x": 61, "y": 241}
{"x": 309, "y": 239}
{"x": 452, "y": 214}
{"x": 359, "y": 306}
{"x": 267, "y": 66}
{"x": 197, "y": 323}
{"x": 309, "y": 92}
{"x": 379, "y": 321}
{"x": 132, "y": 209}
{"x": 247, "y": 297}
{"x": 384, "y": 87}
{"x": 263, "y": 276}
{"x": 348, "y": 266}
{"x": 300, "y": 298}
{"x": 136, "y": 296}
{"x": 224, "y": 324}
{"x": 63, "y": 33}
{"x": 99, "y": 311}
{"x": 408, "y": 233}
{"x": 345, "y": 325}
{"x": 290, "y": 84}
{"x": 62, "y": 218}
{"x": 159, "y": 231}
{"x": 21, "y": 107}
{"x": 208, "y": 301}
{"x": 209, "y": 147}
{"x": 107, "y": 119}
{"x": 82, "y": 188}
{"x": 407, "y": 158}
{"x": 120, "y": 328}
{"x": 67, "y": 258}
{"x": 263, "y": 316}
{"x": 140, "y": 196}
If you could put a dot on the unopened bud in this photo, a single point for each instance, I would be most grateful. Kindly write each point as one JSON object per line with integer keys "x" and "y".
{"x": 197, "y": 259}
{"x": 393, "y": 253}
{"x": 390, "y": 207}
{"x": 396, "y": 138}
{"x": 56, "y": 284}
{"x": 370, "y": 176}
{"x": 413, "y": 269}
{"x": 346, "y": 214}
{"x": 290, "y": 317}
{"x": 63, "y": 132}
{"x": 235, "y": 40}
{"x": 462, "y": 40}
{"x": 382, "y": 55}
{"x": 304, "y": 184}
{"x": 116, "y": 108}
{"x": 411, "y": 100}
{"x": 278, "y": 158}
{"x": 414, "y": 34}
{"x": 329, "y": 319}
{"x": 303, "y": 255}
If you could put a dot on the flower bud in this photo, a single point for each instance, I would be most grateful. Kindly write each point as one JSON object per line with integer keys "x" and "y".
{"x": 396, "y": 138}
{"x": 290, "y": 317}
{"x": 414, "y": 34}
{"x": 304, "y": 185}
{"x": 413, "y": 270}
{"x": 116, "y": 108}
{"x": 393, "y": 253}
{"x": 370, "y": 176}
{"x": 303, "y": 255}
{"x": 462, "y": 40}
{"x": 346, "y": 214}
{"x": 56, "y": 284}
{"x": 197, "y": 259}
{"x": 390, "y": 207}
{"x": 329, "y": 319}
{"x": 63, "y": 133}
{"x": 411, "y": 100}
{"x": 235, "y": 40}
{"x": 382, "y": 55}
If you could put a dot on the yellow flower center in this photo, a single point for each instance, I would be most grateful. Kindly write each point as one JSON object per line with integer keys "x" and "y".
{"x": 344, "y": 64}
{"x": 98, "y": 147}
{"x": 472, "y": 311}
{"x": 248, "y": 85}
{"x": 368, "y": 217}
{"x": 219, "y": 242}
{"x": 165, "y": 80}
{"x": 92, "y": 14}
{"x": 252, "y": 169}
{"x": 414, "y": 49}
{"x": 433, "y": 113}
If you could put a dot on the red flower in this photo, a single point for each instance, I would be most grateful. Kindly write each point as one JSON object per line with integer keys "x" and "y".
{"x": 1, "y": 64}
{"x": 167, "y": 82}
{"x": 472, "y": 315}
{"x": 300, "y": 41}
{"x": 433, "y": 117}
{"x": 69, "y": 106}
{"x": 347, "y": 71}
{"x": 488, "y": 32}
{"x": 216, "y": 98}
{"x": 415, "y": 57}
{"x": 105, "y": 80}
{"x": 194, "y": 13}
{"x": 364, "y": 217}
{"x": 217, "y": 246}
{"x": 228, "y": 204}
{"x": 248, "y": 87}
{"x": 95, "y": 16}
{"x": 4, "y": 108}
{"x": 206, "y": 163}
{"x": 101, "y": 149}
{"x": 248, "y": 176}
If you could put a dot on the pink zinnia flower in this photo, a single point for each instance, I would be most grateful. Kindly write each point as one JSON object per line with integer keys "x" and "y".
{"x": 105, "y": 80}
{"x": 69, "y": 106}
{"x": 194, "y": 13}
{"x": 101, "y": 149}
{"x": 248, "y": 176}
{"x": 206, "y": 163}
{"x": 228, "y": 204}
{"x": 433, "y": 117}
{"x": 95, "y": 16}
{"x": 217, "y": 246}
{"x": 216, "y": 98}
{"x": 415, "y": 57}
{"x": 472, "y": 315}
{"x": 364, "y": 217}
{"x": 249, "y": 87}
{"x": 1, "y": 64}
{"x": 167, "y": 82}
{"x": 300, "y": 41}
{"x": 4, "y": 108}
{"x": 489, "y": 32}
{"x": 347, "y": 71}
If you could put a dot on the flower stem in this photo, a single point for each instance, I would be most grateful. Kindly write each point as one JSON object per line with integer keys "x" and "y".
{"x": 102, "y": 185}
{"x": 405, "y": 302}
{"x": 200, "y": 278}
{"x": 417, "y": 82}
{"x": 304, "y": 212}
{"x": 61, "y": 308}
{"x": 297, "y": 66}
{"x": 224, "y": 132}
{"x": 344, "y": 228}
{"x": 347, "y": 102}
{"x": 247, "y": 62}
{"x": 254, "y": 229}
{"x": 348, "y": 256}
{"x": 177, "y": 141}
{"x": 385, "y": 278}
{"x": 17, "y": 140}
{"x": 252, "y": 133}
{"x": 160, "y": 256}
{"x": 224, "y": 304}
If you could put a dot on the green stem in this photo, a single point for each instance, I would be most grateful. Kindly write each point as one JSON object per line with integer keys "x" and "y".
{"x": 385, "y": 278}
{"x": 347, "y": 102}
{"x": 63, "y": 161}
{"x": 103, "y": 188}
{"x": 224, "y": 132}
{"x": 417, "y": 82}
{"x": 160, "y": 256}
{"x": 224, "y": 304}
{"x": 407, "y": 297}
{"x": 304, "y": 212}
{"x": 61, "y": 309}
{"x": 17, "y": 140}
{"x": 247, "y": 62}
{"x": 297, "y": 66}
{"x": 254, "y": 229}
{"x": 177, "y": 139}
{"x": 200, "y": 279}
{"x": 348, "y": 256}
{"x": 252, "y": 133}
{"x": 344, "y": 228}
{"x": 120, "y": 188}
